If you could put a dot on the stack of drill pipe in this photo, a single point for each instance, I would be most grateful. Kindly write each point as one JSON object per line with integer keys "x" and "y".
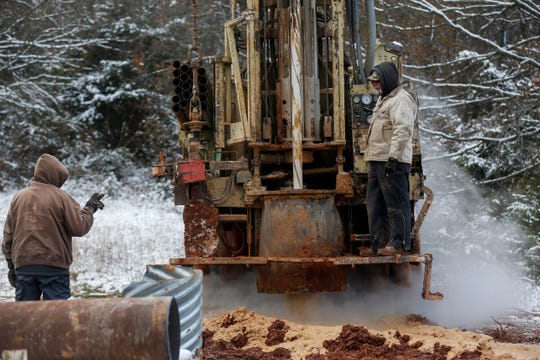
{"x": 111, "y": 328}
{"x": 182, "y": 80}
{"x": 206, "y": 97}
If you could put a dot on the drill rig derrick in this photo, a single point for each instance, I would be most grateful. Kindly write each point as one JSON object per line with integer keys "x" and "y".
{"x": 273, "y": 176}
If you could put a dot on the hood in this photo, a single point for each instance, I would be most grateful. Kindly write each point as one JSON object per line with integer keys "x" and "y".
{"x": 49, "y": 170}
{"x": 389, "y": 76}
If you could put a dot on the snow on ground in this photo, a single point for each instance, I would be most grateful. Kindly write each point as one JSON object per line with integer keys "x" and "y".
{"x": 126, "y": 237}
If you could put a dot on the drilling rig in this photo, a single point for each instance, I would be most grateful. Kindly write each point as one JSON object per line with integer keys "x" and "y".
{"x": 272, "y": 174}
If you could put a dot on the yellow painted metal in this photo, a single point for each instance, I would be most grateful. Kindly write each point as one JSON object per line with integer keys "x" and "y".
{"x": 254, "y": 70}
{"x": 237, "y": 78}
{"x": 338, "y": 69}
{"x": 219, "y": 103}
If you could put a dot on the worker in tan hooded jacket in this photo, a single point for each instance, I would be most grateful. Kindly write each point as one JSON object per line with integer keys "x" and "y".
{"x": 388, "y": 154}
{"x": 40, "y": 224}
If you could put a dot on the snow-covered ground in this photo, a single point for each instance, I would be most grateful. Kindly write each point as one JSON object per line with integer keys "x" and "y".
{"x": 474, "y": 263}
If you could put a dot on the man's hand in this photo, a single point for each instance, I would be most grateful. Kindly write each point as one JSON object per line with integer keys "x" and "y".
{"x": 95, "y": 202}
{"x": 390, "y": 167}
{"x": 12, "y": 277}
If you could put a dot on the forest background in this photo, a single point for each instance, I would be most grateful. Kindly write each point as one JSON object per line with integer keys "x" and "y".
{"x": 90, "y": 82}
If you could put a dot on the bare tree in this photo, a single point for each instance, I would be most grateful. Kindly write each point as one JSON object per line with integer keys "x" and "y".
{"x": 41, "y": 47}
{"x": 476, "y": 65}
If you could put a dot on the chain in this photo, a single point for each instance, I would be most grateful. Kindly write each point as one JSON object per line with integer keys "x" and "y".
{"x": 194, "y": 18}
{"x": 195, "y": 110}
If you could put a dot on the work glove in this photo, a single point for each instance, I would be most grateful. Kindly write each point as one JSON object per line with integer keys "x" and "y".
{"x": 12, "y": 277}
{"x": 95, "y": 202}
{"x": 390, "y": 167}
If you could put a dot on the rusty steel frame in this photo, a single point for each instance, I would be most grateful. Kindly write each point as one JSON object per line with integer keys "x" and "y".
{"x": 338, "y": 260}
{"x": 415, "y": 231}
{"x": 351, "y": 261}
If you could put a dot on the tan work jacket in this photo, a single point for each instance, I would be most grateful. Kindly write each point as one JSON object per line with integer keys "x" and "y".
{"x": 391, "y": 129}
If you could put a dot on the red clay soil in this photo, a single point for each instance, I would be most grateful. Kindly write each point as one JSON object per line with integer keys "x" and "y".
{"x": 231, "y": 350}
{"x": 251, "y": 336}
{"x": 354, "y": 342}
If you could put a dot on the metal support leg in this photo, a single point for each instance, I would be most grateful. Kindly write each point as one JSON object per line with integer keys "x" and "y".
{"x": 426, "y": 293}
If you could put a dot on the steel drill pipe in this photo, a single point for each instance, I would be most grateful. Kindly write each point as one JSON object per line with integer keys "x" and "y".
{"x": 184, "y": 103}
{"x": 186, "y": 74}
{"x": 176, "y": 99}
{"x": 184, "y": 68}
{"x": 187, "y": 85}
{"x": 111, "y": 328}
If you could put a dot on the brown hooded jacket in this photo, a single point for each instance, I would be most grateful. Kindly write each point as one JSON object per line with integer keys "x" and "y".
{"x": 42, "y": 219}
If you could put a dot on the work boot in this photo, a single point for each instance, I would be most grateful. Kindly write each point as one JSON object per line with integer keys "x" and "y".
{"x": 387, "y": 250}
{"x": 368, "y": 252}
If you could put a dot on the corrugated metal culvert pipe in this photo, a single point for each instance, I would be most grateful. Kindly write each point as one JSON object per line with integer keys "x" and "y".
{"x": 185, "y": 284}
{"x": 110, "y": 328}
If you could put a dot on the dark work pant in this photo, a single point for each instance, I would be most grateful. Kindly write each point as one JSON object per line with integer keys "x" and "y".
{"x": 31, "y": 287}
{"x": 388, "y": 206}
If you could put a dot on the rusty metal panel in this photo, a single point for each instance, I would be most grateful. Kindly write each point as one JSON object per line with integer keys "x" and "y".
{"x": 304, "y": 226}
{"x": 301, "y": 227}
{"x": 111, "y": 328}
{"x": 299, "y": 278}
{"x": 237, "y": 260}
{"x": 344, "y": 184}
{"x": 190, "y": 172}
{"x": 185, "y": 285}
{"x": 338, "y": 261}
{"x": 201, "y": 220}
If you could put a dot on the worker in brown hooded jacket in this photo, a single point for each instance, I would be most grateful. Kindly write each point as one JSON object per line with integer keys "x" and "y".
{"x": 38, "y": 232}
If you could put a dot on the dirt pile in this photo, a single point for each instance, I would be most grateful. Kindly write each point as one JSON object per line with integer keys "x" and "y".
{"x": 240, "y": 334}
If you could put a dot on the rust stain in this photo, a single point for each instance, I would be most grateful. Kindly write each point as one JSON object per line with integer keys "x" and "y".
{"x": 200, "y": 228}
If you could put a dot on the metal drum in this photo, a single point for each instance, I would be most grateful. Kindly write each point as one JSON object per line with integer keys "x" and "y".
{"x": 303, "y": 226}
